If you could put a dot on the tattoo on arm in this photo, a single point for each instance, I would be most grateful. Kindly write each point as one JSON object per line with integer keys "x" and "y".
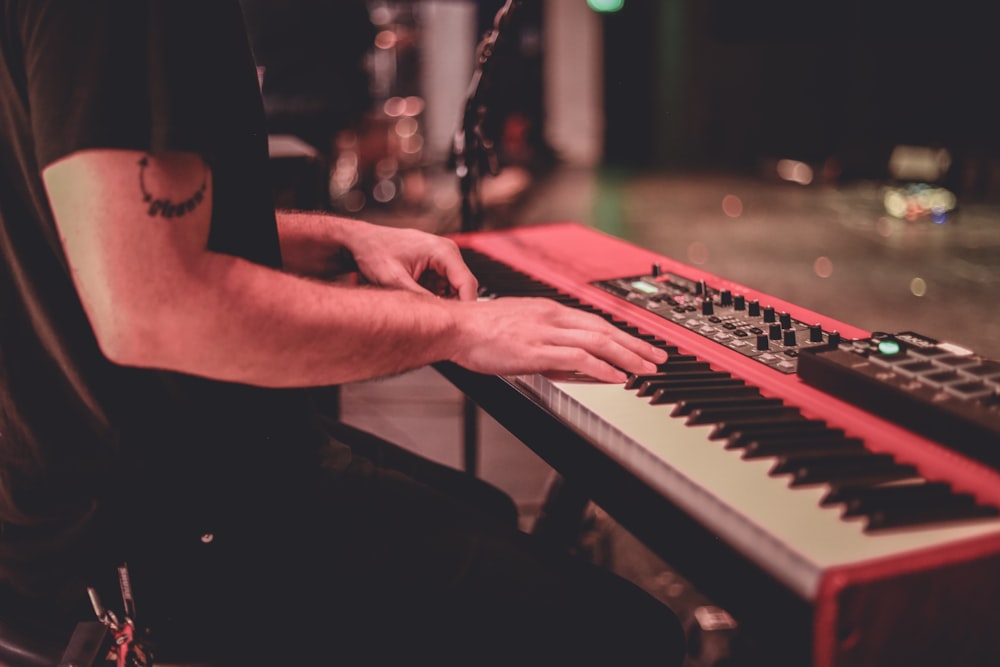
{"x": 165, "y": 207}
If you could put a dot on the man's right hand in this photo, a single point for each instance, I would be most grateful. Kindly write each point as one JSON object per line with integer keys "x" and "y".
{"x": 514, "y": 336}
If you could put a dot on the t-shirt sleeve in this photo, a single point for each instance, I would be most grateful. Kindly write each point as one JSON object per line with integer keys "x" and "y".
{"x": 150, "y": 75}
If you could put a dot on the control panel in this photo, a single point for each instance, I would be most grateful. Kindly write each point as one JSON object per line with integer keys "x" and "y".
{"x": 753, "y": 329}
{"x": 941, "y": 390}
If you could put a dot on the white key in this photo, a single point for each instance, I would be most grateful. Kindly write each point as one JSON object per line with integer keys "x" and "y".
{"x": 784, "y": 530}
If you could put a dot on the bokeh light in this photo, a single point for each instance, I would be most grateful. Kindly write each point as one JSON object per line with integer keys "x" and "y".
{"x": 385, "y": 39}
{"x": 795, "y": 171}
{"x": 697, "y": 252}
{"x": 606, "y": 5}
{"x": 732, "y": 206}
{"x": 823, "y": 267}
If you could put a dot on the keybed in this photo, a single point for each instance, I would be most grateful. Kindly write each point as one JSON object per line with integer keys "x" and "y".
{"x": 864, "y": 539}
{"x": 801, "y": 494}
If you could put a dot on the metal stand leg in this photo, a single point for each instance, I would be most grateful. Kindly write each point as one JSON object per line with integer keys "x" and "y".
{"x": 561, "y": 517}
{"x": 470, "y": 435}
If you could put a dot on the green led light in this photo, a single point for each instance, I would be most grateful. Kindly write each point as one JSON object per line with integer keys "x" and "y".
{"x": 605, "y": 5}
{"x": 644, "y": 287}
{"x": 888, "y": 347}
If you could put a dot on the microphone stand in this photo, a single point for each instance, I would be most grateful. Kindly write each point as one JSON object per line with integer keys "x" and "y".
{"x": 472, "y": 150}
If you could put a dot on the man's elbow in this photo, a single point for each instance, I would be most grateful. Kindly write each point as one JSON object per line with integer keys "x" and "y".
{"x": 130, "y": 338}
{"x": 122, "y": 342}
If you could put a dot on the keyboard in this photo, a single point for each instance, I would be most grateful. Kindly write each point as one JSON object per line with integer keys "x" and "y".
{"x": 762, "y": 444}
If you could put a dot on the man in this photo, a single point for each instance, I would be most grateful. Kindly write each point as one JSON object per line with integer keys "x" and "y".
{"x": 159, "y": 329}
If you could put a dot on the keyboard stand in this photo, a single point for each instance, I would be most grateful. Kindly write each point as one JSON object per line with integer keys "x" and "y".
{"x": 718, "y": 571}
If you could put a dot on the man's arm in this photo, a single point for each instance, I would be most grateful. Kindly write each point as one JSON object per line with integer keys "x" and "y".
{"x": 324, "y": 246}
{"x": 157, "y": 297}
{"x": 312, "y": 244}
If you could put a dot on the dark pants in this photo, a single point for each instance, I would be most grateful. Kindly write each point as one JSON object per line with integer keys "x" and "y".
{"x": 370, "y": 566}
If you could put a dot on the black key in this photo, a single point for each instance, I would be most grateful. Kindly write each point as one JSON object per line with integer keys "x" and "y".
{"x": 959, "y": 507}
{"x": 539, "y": 291}
{"x": 853, "y": 469}
{"x": 845, "y": 493}
{"x": 689, "y": 380}
{"x": 686, "y": 407}
{"x": 668, "y": 379}
{"x": 636, "y": 381}
{"x": 682, "y": 363}
{"x": 819, "y": 446}
{"x": 719, "y": 415}
{"x": 724, "y": 431}
{"x": 672, "y": 391}
{"x": 851, "y": 475}
{"x": 838, "y": 459}
{"x": 680, "y": 358}
{"x": 868, "y": 500}
{"x": 807, "y": 429}
{"x": 662, "y": 396}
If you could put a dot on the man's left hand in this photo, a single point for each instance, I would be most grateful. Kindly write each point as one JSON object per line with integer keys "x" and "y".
{"x": 411, "y": 259}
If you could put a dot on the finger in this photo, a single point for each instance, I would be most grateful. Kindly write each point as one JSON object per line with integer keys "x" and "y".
{"x": 578, "y": 360}
{"x": 606, "y": 348}
{"x": 460, "y": 278}
{"x": 448, "y": 263}
{"x": 598, "y": 325}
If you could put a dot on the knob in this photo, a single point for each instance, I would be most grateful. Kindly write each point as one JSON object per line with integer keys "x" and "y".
{"x": 707, "y": 308}
{"x": 763, "y": 343}
{"x": 833, "y": 338}
{"x": 789, "y": 337}
{"x": 739, "y": 302}
{"x": 775, "y": 332}
{"x": 786, "y": 320}
{"x": 815, "y": 333}
{"x": 726, "y": 298}
{"x": 769, "y": 314}
{"x": 701, "y": 288}
{"x": 656, "y": 270}
{"x": 754, "y": 310}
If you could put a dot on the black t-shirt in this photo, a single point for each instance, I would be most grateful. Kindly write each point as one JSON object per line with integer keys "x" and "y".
{"x": 78, "y": 433}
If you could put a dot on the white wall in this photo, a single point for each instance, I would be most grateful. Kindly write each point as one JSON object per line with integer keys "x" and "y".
{"x": 573, "y": 79}
{"x": 448, "y": 40}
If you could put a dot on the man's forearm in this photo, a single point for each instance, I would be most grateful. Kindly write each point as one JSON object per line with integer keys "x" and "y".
{"x": 236, "y": 321}
{"x": 156, "y": 297}
{"x": 312, "y": 244}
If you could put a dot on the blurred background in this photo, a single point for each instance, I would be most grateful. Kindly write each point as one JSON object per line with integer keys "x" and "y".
{"x": 743, "y": 137}
{"x": 843, "y": 156}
